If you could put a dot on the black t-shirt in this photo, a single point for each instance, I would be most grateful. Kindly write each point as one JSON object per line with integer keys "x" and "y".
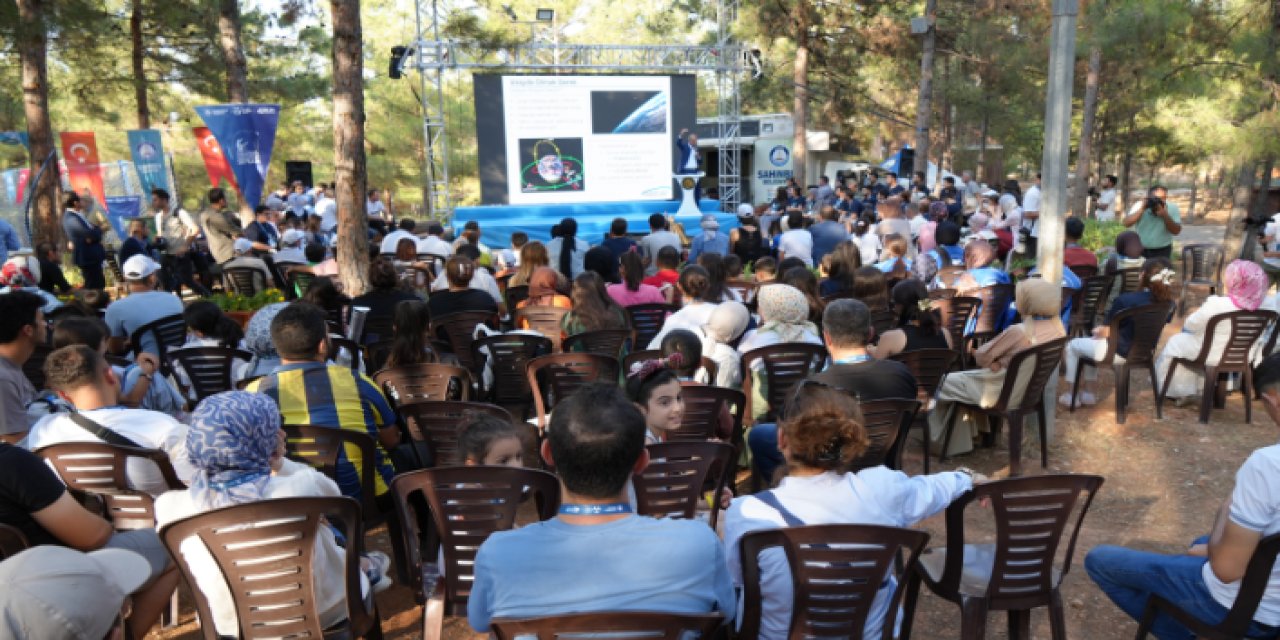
{"x": 871, "y": 380}
{"x": 27, "y": 485}
{"x": 443, "y": 303}
{"x": 382, "y": 302}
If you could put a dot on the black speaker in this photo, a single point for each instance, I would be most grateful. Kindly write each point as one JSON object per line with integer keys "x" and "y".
{"x": 295, "y": 170}
{"x": 906, "y": 163}
{"x": 396, "y": 69}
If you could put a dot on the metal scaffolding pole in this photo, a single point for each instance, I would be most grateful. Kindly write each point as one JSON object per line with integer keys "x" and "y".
{"x": 431, "y": 82}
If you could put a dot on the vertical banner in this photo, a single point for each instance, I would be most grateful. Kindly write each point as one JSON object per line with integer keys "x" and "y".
{"x": 247, "y": 133}
{"x": 10, "y": 179}
{"x": 120, "y": 209}
{"x": 24, "y": 176}
{"x": 83, "y": 171}
{"x": 215, "y": 163}
{"x": 148, "y": 159}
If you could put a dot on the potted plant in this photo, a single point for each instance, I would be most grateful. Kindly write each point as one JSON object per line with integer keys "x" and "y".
{"x": 240, "y": 307}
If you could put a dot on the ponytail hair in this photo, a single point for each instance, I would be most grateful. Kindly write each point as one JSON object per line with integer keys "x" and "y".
{"x": 568, "y": 231}
{"x": 459, "y": 270}
{"x": 208, "y": 319}
{"x": 896, "y": 245}
{"x": 1159, "y": 277}
{"x": 911, "y": 297}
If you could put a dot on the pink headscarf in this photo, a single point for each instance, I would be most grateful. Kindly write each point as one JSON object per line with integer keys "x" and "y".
{"x": 1246, "y": 284}
{"x": 927, "y": 241}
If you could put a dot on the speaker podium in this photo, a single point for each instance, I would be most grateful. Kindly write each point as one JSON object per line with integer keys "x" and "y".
{"x": 688, "y": 183}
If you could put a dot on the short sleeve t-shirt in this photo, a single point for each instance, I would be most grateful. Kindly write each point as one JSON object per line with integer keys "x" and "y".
{"x": 871, "y": 380}
{"x": 15, "y": 392}
{"x": 1255, "y": 505}
{"x": 826, "y": 236}
{"x": 139, "y": 309}
{"x": 27, "y": 485}
{"x": 444, "y": 303}
{"x": 1151, "y": 229}
{"x": 797, "y": 243}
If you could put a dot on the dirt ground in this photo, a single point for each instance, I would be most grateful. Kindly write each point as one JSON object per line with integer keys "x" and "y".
{"x": 1164, "y": 481}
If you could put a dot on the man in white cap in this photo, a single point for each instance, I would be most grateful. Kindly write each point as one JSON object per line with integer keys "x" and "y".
{"x": 710, "y": 241}
{"x": 245, "y": 259}
{"x": 55, "y": 593}
{"x": 293, "y": 244}
{"x": 141, "y": 307}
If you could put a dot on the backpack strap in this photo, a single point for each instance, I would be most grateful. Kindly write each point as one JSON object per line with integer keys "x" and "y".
{"x": 103, "y": 433}
{"x": 771, "y": 499}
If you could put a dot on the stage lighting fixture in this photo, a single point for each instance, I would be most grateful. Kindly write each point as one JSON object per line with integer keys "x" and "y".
{"x": 545, "y": 15}
{"x": 396, "y": 69}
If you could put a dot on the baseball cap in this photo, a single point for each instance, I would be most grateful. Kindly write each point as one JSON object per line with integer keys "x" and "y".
{"x": 291, "y": 237}
{"x": 242, "y": 245}
{"x": 745, "y": 209}
{"x": 139, "y": 267}
{"x": 54, "y": 593}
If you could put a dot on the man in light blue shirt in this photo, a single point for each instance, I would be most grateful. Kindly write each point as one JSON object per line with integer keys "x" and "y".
{"x": 711, "y": 240}
{"x": 1157, "y": 221}
{"x": 141, "y": 307}
{"x": 598, "y": 556}
{"x": 828, "y": 234}
{"x": 9, "y": 240}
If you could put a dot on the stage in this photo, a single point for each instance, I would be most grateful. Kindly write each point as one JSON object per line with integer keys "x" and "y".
{"x": 498, "y": 222}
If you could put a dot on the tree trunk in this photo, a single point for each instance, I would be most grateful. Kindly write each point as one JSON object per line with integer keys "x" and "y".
{"x": 1126, "y": 165}
{"x": 33, "y": 46}
{"x": 924, "y": 99}
{"x": 982, "y": 149}
{"x": 1233, "y": 238}
{"x": 1080, "y": 190}
{"x": 800, "y": 110}
{"x": 233, "y": 51}
{"x": 349, "y": 171}
{"x": 1190, "y": 216}
{"x": 139, "y": 71}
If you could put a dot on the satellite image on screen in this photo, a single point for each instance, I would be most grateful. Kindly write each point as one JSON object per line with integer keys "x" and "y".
{"x": 551, "y": 164}
{"x": 628, "y": 112}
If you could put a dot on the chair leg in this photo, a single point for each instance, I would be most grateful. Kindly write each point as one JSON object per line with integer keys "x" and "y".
{"x": 909, "y": 603}
{"x": 1075, "y": 385}
{"x": 924, "y": 438}
{"x": 1015, "y": 445}
{"x": 1057, "y": 618}
{"x": 1121, "y": 372}
{"x": 973, "y": 619}
{"x": 1246, "y": 390}
{"x": 1163, "y": 389}
{"x": 1019, "y": 624}
{"x": 1207, "y": 393}
{"x": 1043, "y": 425}
{"x": 1148, "y": 619}
{"x": 946, "y": 433}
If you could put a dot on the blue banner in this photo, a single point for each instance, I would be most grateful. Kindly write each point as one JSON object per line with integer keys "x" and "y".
{"x": 16, "y": 138}
{"x": 120, "y": 209}
{"x": 148, "y": 159}
{"x": 10, "y": 179}
{"x": 247, "y": 134}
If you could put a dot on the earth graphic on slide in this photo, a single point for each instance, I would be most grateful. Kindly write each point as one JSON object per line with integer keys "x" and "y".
{"x": 650, "y": 117}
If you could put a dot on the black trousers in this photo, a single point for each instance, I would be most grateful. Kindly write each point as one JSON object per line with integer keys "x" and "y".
{"x": 181, "y": 270}
{"x": 1158, "y": 252}
{"x": 93, "y": 276}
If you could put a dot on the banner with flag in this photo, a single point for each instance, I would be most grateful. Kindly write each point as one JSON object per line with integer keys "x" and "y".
{"x": 83, "y": 171}
{"x": 148, "y": 159}
{"x": 215, "y": 163}
{"x": 24, "y": 177}
{"x": 16, "y": 138}
{"x": 120, "y": 209}
{"x": 247, "y": 133}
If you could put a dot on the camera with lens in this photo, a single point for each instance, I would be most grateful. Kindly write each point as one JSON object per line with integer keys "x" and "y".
{"x": 1154, "y": 203}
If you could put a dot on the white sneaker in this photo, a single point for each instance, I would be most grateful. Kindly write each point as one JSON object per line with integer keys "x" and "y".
{"x": 377, "y": 571}
{"x": 1085, "y": 399}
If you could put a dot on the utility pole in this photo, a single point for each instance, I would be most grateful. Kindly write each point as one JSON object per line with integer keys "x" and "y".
{"x": 924, "y": 103}
{"x": 1057, "y": 138}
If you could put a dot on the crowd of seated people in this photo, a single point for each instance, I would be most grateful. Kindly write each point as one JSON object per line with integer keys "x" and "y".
{"x": 827, "y": 282}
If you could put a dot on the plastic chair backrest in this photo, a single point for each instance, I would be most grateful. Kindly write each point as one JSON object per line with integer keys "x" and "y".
{"x": 102, "y": 469}
{"x": 243, "y": 280}
{"x": 436, "y": 423}
{"x": 209, "y": 369}
{"x": 1246, "y": 329}
{"x": 564, "y": 373}
{"x": 606, "y": 342}
{"x": 427, "y": 381}
{"x": 785, "y": 365}
{"x": 672, "y": 485}
{"x": 320, "y": 447}
{"x": 1201, "y": 263}
{"x": 928, "y": 366}
{"x": 508, "y": 354}
{"x": 886, "y": 423}
{"x": 459, "y": 330}
{"x": 545, "y": 319}
{"x": 1148, "y": 322}
{"x": 1043, "y": 360}
{"x": 170, "y": 332}
{"x": 703, "y": 406}
{"x": 647, "y": 320}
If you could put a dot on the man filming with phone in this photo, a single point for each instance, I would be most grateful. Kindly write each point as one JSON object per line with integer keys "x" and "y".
{"x": 1157, "y": 221}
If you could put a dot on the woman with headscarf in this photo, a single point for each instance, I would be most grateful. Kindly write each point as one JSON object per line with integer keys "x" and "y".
{"x": 1245, "y": 287}
{"x": 936, "y": 216}
{"x": 726, "y": 325}
{"x": 946, "y": 252}
{"x": 542, "y": 290}
{"x": 1128, "y": 253}
{"x": 567, "y": 251}
{"x": 1038, "y": 301}
{"x": 257, "y": 340}
{"x": 784, "y": 317}
{"x": 979, "y": 273}
{"x": 1007, "y": 223}
{"x": 237, "y": 448}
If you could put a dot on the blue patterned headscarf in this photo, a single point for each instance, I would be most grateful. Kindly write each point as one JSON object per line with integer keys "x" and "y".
{"x": 232, "y": 437}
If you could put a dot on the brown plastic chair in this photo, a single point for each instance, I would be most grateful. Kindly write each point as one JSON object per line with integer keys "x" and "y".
{"x": 354, "y": 351}
{"x": 421, "y": 382}
{"x": 785, "y": 365}
{"x": 376, "y": 354}
{"x": 1128, "y": 280}
{"x": 246, "y": 281}
{"x": 1041, "y": 361}
{"x": 647, "y": 320}
{"x": 265, "y": 551}
{"x": 297, "y": 280}
{"x": 170, "y": 332}
{"x": 12, "y": 541}
{"x": 996, "y": 299}
{"x": 507, "y": 356}
{"x": 1201, "y": 269}
{"x": 1088, "y": 302}
{"x": 467, "y": 504}
{"x": 1246, "y": 329}
{"x": 458, "y": 332}
{"x": 555, "y": 377}
{"x": 745, "y": 289}
{"x": 928, "y": 367}
{"x": 606, "y": 342}
{"x": 883, "y": 321}
{"x": 1147, "y": 321}
{"x": 320, "y": 447}
{"x": 435, "y": 423}
{"x": 544, "y": 319}
{"x": 1020, "y": 570}
{"x": 703, "y": 407}
{"x": 942, "y": 294}
{"x": 708, "y": 365}
{"x": 956, "y": 313}
{"x": 628, "y": 625}
{"x": 678, "y": 475}
{"x": 1084, "y": 271}
{"x": 209, "y": 368}
{"x": 516, "y": 295}
{"x": 836, "y": 572}
{"x": 377, "y": 327}
{"x": 886, "y": 423}
{"x": 1240, "y": 617}
{"x": 102, "y": 469}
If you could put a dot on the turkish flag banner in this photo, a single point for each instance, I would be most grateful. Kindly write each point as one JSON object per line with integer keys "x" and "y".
{"x": 215, "y": 163}
{"x": 80, "y": 151}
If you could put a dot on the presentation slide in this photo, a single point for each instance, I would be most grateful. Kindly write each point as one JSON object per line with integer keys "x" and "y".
{"x": 579, "y": 138}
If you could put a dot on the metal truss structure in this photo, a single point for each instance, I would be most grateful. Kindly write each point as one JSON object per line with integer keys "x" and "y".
{"x": 433, "y": 57}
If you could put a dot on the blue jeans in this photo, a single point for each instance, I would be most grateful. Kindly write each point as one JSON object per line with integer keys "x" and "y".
{"x": 1129, "y": 577}
{"x": 765, "y": 457}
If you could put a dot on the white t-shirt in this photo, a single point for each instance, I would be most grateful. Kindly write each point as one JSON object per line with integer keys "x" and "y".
{"x": 375, "y": 209}
{"x": 1255, "y": 505}
{"x": 869, "y": 246}
{"x": 797, "y": 243}
{"x": 392, "y": 239}
{"x": 692, "y": 317}
{"x": 294, "y": 480}
{"x": 434, "y": 245}
{"x": 878, "y": 496}
{"x": 917, "y": 225}
{"x": 1107, "y": 205}
{"x": 480, "y": 280}
{"x": 150, "y": 429}
{"x": 1031, "y": 204}
{"x": 327, "y": 209}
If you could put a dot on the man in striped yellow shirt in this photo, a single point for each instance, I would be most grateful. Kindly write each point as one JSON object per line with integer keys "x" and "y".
{"x": 312, "y": 391}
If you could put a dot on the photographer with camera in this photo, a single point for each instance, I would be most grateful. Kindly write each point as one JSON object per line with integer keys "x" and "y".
{"x": 1105, "y": 200}
{"x": 1157, "y": 221}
